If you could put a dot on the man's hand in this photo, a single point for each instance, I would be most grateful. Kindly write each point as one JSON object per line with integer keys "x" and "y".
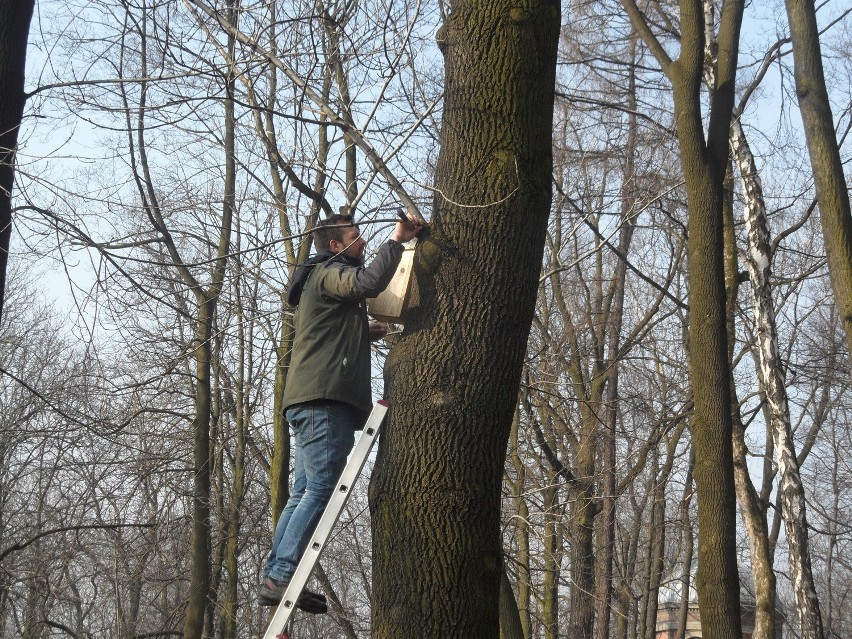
{"x": 377, "y": 330}
{"x": 406, "y": 230}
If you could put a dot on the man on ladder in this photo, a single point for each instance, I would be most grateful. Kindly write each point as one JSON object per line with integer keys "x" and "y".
{"x": 327, "y": 397}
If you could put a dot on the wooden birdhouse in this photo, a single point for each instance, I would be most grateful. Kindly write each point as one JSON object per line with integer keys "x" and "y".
{"x": 391, "y": 304}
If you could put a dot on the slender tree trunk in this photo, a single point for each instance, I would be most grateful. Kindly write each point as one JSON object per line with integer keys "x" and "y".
{"x": 279, "y": 472}
{"x": 552, "y": 560}
{"x": 200, "y": 543}
{"x": 333, "y": 26}
{"x": 833, "y": 532}
{"x": 15, "y": 17}
{"x": 241, "y": 417}
{"x": 752, "y": 508}
{"x": 200, "y": 600}
{"x": 510, "y": 617}
{"x": 522, "y": 535}
{"x": 771, "y": 376}
{"x": 591, "y": 386}
{"x": 704, "y": 166}
{"x": 219, "y": 521}
{"x": 626, "y": 620}
{"x": 200, "y": 604}
{"x": 453, "y": 378}
{"x": 688, "y": 548}
{"x": 754, "y": 519}
{"x": 657, "y": 554}
{"x": 583, "y": 513}
{"x": 829, "y": 179}
{"x": 31, "y": 619}
{"x": 279, "y": 465}
{"x": 652, "y": 527}
{"x": 335, "y": 605}
{"x": 606, "y": 522}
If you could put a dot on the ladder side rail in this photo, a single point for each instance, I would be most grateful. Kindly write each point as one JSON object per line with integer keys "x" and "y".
{"x": 326, "y": 523}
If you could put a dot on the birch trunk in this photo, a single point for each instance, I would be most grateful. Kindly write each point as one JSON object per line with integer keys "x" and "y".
{"x": 752, "y": 505}
{"x": 771, "y": 375}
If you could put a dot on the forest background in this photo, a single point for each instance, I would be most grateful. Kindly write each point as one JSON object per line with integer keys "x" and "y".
{"x": 168, "y": 170}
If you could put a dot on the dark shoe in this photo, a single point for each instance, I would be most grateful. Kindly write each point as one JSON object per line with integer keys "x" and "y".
{"x": 272, "y": 591}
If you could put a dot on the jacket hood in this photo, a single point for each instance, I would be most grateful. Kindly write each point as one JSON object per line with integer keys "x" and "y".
{"x": 297, "y": 284}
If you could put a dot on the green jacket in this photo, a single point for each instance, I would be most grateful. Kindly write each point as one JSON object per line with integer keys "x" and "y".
{"x": 331, "y": 348}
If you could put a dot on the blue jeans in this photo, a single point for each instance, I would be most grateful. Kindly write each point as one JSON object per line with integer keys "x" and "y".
{"x": 323, "y": 436}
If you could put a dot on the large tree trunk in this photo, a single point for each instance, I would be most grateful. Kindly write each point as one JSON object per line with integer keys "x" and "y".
{"x": 453, "y": 378}
{"x": 15, "y": 16}
{"x": 829, "y": 180}
{"x": 717, "y": 578}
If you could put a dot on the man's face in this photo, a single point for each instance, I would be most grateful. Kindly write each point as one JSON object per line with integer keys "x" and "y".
{"x": 353, "y": 244}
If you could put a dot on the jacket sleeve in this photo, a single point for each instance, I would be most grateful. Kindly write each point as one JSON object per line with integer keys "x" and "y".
{"x": 357, "y": 283}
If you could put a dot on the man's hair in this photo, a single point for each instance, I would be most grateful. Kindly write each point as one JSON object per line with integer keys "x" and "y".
{"x": 331, "y": 228}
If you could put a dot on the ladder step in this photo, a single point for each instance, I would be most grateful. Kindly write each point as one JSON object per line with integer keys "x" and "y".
{"x": 277, "y": 627}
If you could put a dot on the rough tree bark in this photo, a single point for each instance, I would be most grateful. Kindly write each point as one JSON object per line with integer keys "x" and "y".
{"x": 752, "y": 507}
{"x": 453, "y": 378}
{"x": 15, "y": 16}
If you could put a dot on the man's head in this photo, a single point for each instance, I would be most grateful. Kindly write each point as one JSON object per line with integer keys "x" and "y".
{"x": 339, "y": 234}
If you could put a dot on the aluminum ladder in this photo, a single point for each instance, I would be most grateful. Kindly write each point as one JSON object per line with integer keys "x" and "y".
{"x": 278, "y": 626}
